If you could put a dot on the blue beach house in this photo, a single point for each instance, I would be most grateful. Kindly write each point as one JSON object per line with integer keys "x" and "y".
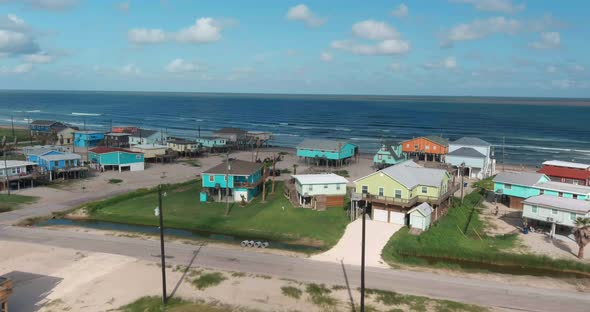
{"x": 388, "y": 155}
{"x": 243, "y": 178}
{"x": 327, "y": 152}
{"x": 57, "y": 163}
{"x": 88, "y": 138}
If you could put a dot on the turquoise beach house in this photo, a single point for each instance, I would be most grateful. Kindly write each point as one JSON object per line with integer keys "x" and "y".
{"x": 515, "y": 187}
{"x": 388, "y": 155}
{"x": 110, "y": 158}
{"x": 242, "y": 178}
{"x": 88, "y": 138}
{"x": 327, "y": 152}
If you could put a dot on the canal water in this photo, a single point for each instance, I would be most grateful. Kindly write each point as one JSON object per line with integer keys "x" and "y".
{"x": 190, "y": 234}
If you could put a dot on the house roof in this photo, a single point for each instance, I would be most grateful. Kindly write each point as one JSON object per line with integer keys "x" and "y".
{"x": 88, "y": 132}
{"x": 144, "y": 133}
{"x": 105, "y": 150}
{"x": 325, "y": 178}
{"x": 210, "y": 138}
{"x": 437, "y": 139}
{"x": 410, "y": 174}
{"x": 118, "y": 134}
{"x": 520, "y": 178}
{"x": 36, "y": 151}
{"x": 560, "y": 203}
{"x": 471, "y": 141}
{"x": 41, "y": 122}
{"x": 150, "y": 146}
{"x": 564, "y": 187}
{"x": 563, "y": 172}
{"x": 230, "y": 131}
{"x": 61, "y": 156}
{"x": 566, "y": 164}
{"x": 466, "y": 152}
{"x": 15, "y": 163}
{"x": 69, "y": 128}
{"x": 423, "y": 208}
{"x": 323, "y": 145}
{"x": 180, "y": 141}
{"x": 237, "y": 167}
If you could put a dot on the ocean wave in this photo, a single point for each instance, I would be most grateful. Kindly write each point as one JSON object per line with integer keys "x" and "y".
{"x": 283, "y": 123}
{"x": 545, "y": 139}
{"x": 543, "y": 148}
{"x": 343, "y": 129}
{"x": 286, "y": 134}
{"x": 85, "y": 114}
{"x": 33, "y": 111}
{"x": 81, "y": 124}
{"x": 365, "y": 139}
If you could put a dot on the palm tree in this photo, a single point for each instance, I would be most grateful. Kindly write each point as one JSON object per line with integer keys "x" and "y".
{"x": 582, "y": 234}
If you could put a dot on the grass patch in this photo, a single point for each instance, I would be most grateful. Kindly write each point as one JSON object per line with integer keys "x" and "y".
{"x": 154, "y": 304}
{"x": 115, "y": 181}
{"x": 291, "y": 291}
{"x": 420, "y": 304}
{"x": 458, "y": 240}
{"x": 12, "y": 202}
{"x": 320, "y": 295}
{"x": 238, "y": 274}
{"x": 285, "y": 171}
{"x": 486, "y": 184}
{"x": 207, "y": 280}
{"x": 183, "y": 210}
{"x": 21, "y": 134}
{"x": 342, "y": 173}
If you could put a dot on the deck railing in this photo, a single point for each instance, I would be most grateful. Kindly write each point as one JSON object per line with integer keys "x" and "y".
{"x": 404, "y": 202}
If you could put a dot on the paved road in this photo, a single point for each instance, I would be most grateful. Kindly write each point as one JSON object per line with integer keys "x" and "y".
{"x": 475, "y": 291}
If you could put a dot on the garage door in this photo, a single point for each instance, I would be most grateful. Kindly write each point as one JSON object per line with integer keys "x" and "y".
{"x": 380, "y": 215}
{"x": 397, "y": 218}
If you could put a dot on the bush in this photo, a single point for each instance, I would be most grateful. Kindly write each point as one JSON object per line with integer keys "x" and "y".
{"x": 292, "y": 292}
{"x": 208, "y": 280}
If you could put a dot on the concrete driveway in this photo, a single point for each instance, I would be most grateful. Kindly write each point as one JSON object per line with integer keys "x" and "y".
{"x": 348, "y": 248}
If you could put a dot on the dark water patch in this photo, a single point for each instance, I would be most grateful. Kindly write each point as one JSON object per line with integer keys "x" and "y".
{"x": 181, "y": 233}
{"x": 512, "y": 269}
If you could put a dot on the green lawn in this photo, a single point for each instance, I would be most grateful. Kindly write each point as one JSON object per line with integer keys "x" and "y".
{"x": 460, "y": 236}
{"x": 12, "y": 202}
{"x": 21, "y": 134}
{"x": 154, "y": 304}
{"x": 274, "y": 220}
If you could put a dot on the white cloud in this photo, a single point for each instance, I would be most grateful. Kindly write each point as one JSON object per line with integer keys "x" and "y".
{"x": 124, "y": 6}
{"x": 16, "y": 37}
{"x": 501, "y": 6}
{"x": 23, "y": 68}
{"x": 204, "y": 30}
{"x": 401, "y": 11}
{"x": 449, "y": 63}
{"x": 479, "y": 29}
{"x": 142, "y": 35}
{"x": 52, "y": 5}
{"x": 374, "y": 30}
{"x": 131, "y": 69}
{"x": 385, "y": 47}
{"x": 39, "y": 58}
{"x": 549, "y": 40}
{"x": 181, "y": 66}
{"x": 302, "y": 13}
{"x": 326, "y": 57}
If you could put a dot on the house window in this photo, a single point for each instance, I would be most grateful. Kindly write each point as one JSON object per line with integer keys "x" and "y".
{"x": 427, "y": 147}
{"x": 211, "y": 178}
{"x": 575, "y": 182}
{"x": 534, "y": 209}
{"x": 338, "y": 186}
{"x": 311, "y": 188}
{"x": 365, "y": 189}
{"x": 508, "y": 186}
{"x": 434, "y": 147}
{"x": 398, "y": 193}
{"x": 554, "y": 211}
{"x": 381, "y": 191}
{"x": 424, "y": 190}
{"x": 572, "y": 216}
{"x": 138, "y": 157}
{"x": 560, "y": 194}
{"x": 325, "y": 186}
{"x": 575, "y": 196}
{"x": 56, "y": 163}
{"x": 541, "y": 191}
{"x": 380, "y": 157}
{"x": 408, "y": 145}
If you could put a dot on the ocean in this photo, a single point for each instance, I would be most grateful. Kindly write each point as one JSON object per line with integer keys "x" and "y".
{"x": 523, "y": 131}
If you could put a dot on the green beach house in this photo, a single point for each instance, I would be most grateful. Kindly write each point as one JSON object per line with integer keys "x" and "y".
{"x": 389, "y": 154}
{"x": 393, "y": 191}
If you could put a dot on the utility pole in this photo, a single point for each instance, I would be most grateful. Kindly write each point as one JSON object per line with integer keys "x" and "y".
{"x": 4, "y": 151}
{"x": 162, "y": 251}
{"x": 12, "y": 123}
{"x": 263, "y": 183}
{"x": 363, "y": 205}
{"x": 227, "y": 169}
{"x": 462, "y": 181}
{"x": 274, "y": 173}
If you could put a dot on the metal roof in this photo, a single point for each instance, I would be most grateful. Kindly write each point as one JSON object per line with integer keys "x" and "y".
{"x": 411, "y": 174}
{"x": 180, "y": 141}
{"x": 325, "y": 178}
{"x": 466, "y": 152}
{"x": 563, "y": 172}
{"x": 150, "y": 146}
{"x": 323, "y": 145}
{"x": 45, "y": 122}
{"x": 15, "y": 163}
{"x": 437, "y": 139}
{"x": 237, "y": 167}
{"x": 566, "y": 164}
{"x": 144, "y": 133}
{"x": 118, "y": 134}
{"x": 560, "y": 203}
{"x": 519, "y": 178}
{"x": 62, "y": 156}
{"x": 471, "y": 141}
{"x": 423, "y": 208}
{"x": 36, "y": 151}
{"x": 88, "y": 132}
{"x": 564, "y": 187}
{"x": 105, "y": 150}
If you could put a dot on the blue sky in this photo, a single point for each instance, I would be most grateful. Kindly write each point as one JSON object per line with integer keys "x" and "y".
{"x": 434, "y": 47}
